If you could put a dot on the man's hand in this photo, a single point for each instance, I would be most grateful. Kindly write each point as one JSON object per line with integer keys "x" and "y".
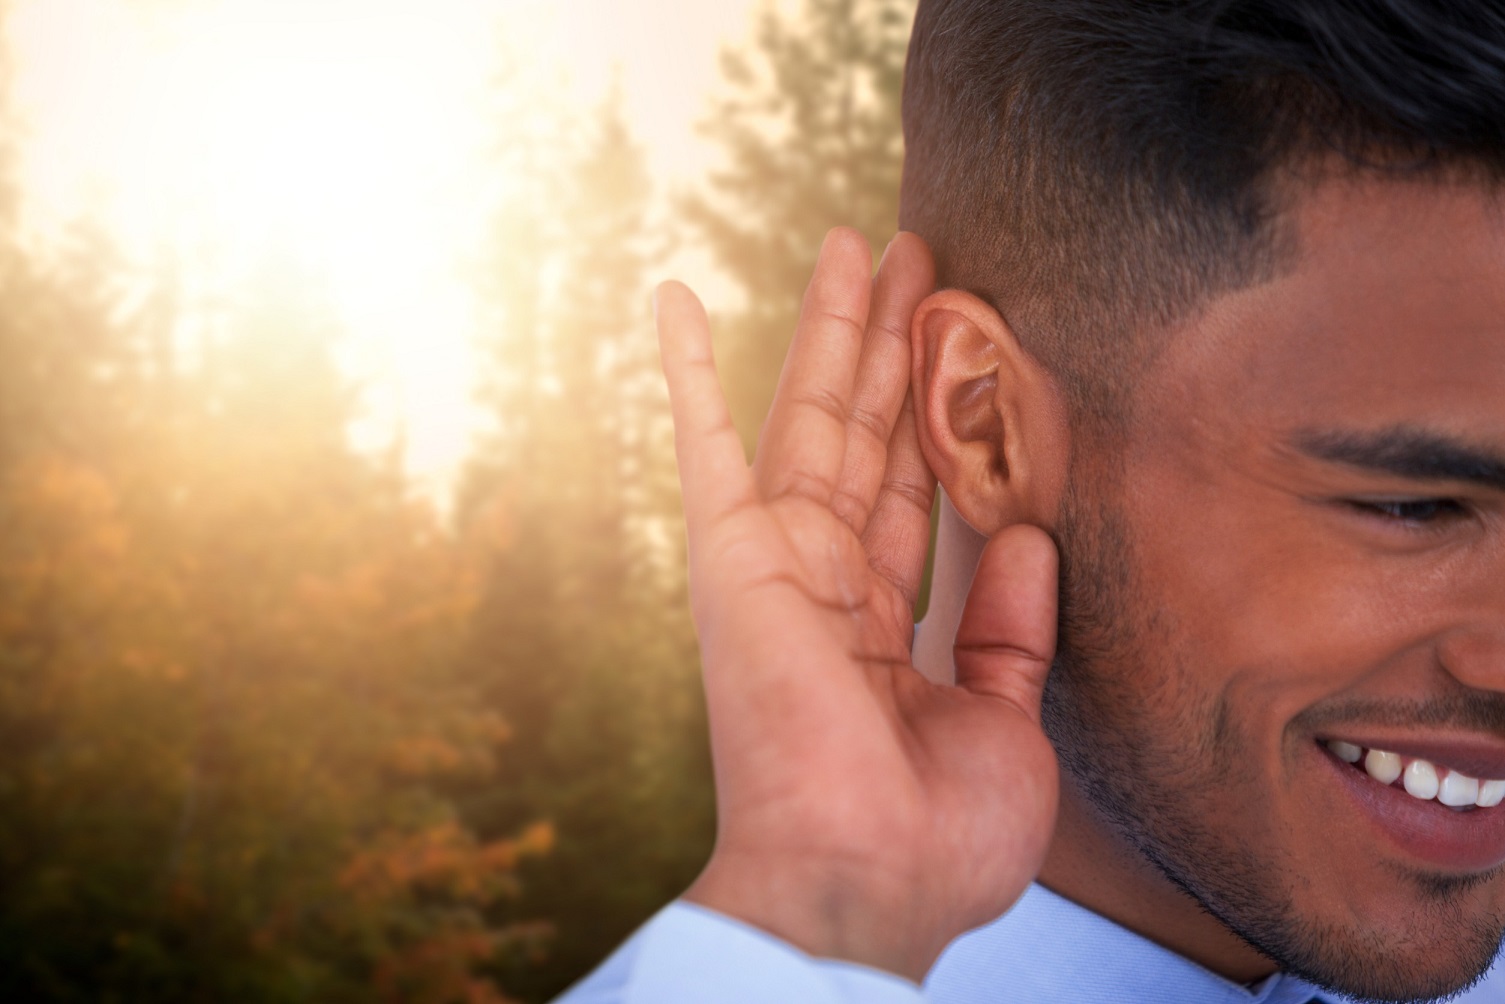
{"x": 865, "y": 813}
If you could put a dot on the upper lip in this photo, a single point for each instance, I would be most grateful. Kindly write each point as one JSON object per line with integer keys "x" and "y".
{"x": 1473, "y": 756}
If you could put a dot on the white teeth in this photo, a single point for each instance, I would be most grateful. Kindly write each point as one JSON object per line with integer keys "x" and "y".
{"x": 1347, "y": 752}
{"x": 1491, "y": 793}
{"x": 1458, "y": 789}
{"x": 1383, "y": 767}
{"x": 1421, "y": 780}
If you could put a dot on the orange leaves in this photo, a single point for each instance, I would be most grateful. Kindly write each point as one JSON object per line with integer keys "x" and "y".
{"x": 68, "y": 504}
{"x": 447, "y": 867}
{"x": 425, "y": 756}
{"x": 225, "y": 708}
{"x": 440, "y": 970}
{"x": 236, "y": 714}
{"x": 537, "y": 839}
{"x": 64, "y": 539}
{"x": 444, "y": 860}
{"x": 427, "y": 891}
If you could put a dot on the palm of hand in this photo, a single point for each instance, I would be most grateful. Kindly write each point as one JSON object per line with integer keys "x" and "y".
{"x": 852, "y": 792}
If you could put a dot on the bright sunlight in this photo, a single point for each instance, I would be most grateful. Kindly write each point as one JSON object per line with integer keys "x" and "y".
{"x": 355, "y": 135}
{"x": 344, "y": 645}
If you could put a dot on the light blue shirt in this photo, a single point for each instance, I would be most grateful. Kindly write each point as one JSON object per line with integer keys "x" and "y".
{"x": 1046, "y": 949}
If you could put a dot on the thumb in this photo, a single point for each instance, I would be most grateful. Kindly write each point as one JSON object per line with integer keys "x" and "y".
{"x": 1007, "y": 636}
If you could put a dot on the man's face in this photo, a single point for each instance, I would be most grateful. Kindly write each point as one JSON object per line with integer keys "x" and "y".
{"x": 1302, "y": 543}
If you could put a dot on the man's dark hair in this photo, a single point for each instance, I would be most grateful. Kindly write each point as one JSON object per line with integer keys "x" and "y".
{"x": 1097, "y": 169}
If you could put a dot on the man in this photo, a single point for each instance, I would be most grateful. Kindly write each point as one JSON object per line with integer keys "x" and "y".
{"x": 1221, "y": 333}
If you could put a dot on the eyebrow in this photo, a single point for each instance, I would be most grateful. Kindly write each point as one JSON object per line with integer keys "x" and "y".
{"x": 1406, "y": 452}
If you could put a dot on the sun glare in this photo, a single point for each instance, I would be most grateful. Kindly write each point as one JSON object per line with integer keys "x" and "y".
{"x": 347, "y": 133}
{"x": 352, "y": 133}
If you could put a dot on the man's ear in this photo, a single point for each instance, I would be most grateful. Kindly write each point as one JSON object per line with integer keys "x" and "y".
{"x": 992, "y": 421}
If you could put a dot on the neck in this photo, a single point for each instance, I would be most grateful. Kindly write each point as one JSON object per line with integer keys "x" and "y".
{"x": 1089, "y": 862}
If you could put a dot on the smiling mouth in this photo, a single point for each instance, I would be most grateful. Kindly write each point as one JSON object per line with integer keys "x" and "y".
{"x": 1421, "y": 779}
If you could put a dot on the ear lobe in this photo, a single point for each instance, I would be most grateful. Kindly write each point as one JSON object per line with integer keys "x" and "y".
{"x": 990, "y": 418}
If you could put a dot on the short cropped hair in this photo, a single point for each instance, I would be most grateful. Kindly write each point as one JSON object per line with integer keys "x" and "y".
{"x": 1098, "y": 169}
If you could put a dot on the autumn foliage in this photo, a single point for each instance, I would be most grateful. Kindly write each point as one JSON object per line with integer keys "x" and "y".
{"x": 275, "y": 726}
{"x": 230, "y": 696}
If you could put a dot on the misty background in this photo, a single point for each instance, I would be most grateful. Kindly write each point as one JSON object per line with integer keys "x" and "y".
{"x": 344, "y": 645}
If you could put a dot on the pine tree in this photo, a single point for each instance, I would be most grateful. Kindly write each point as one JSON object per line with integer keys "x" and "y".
{"x": 811, "y": 139}
{"x": 229, "y": 669}
{"x": 231, "y": 698}
{"x": 582, "y": 631}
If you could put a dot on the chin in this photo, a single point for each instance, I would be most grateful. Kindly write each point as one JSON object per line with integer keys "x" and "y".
{"x": 1428, "y": 957}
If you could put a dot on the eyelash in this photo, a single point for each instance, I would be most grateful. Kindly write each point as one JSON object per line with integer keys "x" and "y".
{"x": 1417, "y": 513}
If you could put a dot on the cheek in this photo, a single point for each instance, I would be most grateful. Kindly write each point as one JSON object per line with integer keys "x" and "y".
{"x": 1265, "y": 616}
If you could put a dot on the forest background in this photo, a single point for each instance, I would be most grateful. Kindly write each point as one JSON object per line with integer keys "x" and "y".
{"x": 279, "y": 724}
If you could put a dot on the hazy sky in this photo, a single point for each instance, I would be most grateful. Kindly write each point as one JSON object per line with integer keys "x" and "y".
{"x": 214, "y": 126}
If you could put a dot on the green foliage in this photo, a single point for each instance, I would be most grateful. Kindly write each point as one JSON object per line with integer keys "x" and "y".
{"x": 583, "y": 635}
{"x": 270, "y": 730}
{"x": 583, "y": 630}
{"x": 229, "y": 653}
{"x": 811, "y": 135}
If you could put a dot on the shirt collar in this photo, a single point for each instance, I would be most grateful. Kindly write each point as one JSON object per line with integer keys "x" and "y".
{"x": 1048, "y": 948}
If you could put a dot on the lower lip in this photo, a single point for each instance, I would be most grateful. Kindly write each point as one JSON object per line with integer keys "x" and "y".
{"x": 1470, "y": 841}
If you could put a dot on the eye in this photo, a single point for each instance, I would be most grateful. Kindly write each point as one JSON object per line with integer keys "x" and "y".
{"x": 1413, "y": 511}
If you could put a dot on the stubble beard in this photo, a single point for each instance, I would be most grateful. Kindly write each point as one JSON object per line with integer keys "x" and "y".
{"x": 1146, "y": 751}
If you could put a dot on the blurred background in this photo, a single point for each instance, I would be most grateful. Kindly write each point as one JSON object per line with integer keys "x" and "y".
{"x": 344, "y": 649}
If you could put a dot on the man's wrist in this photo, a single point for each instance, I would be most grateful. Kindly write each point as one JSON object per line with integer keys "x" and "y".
{"x": 827, "y": 912}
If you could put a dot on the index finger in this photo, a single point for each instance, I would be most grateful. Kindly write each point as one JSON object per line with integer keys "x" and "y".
{"x": 713, "y": 474}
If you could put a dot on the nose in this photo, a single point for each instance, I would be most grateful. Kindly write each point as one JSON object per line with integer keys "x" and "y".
{"x": 1473, "y": 651}
{"x": 1475, "y": 655}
